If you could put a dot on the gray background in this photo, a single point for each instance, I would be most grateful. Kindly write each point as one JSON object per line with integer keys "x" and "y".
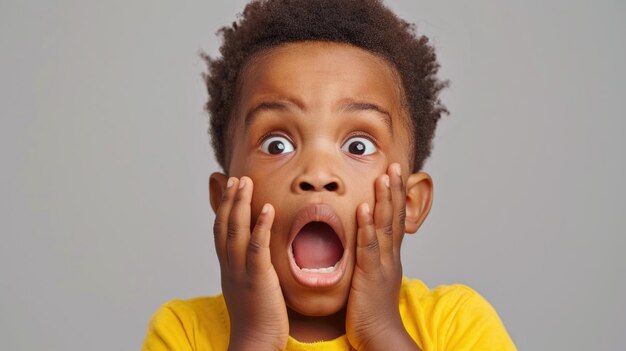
{"x": 105, "y": 159}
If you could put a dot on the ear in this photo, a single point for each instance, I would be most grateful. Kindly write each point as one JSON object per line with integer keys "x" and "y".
{"x": 419, "y": 198}
{"x": 217, "y": 184}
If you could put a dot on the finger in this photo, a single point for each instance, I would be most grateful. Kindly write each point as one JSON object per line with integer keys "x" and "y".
{"x": 398, "y": 199}
{"x": 367, "y": 246}
{"x": 238, "y": 232}
{"x": 220, "y": 225}
{"x": 383, "y": 215}
{"x": 259, "y": 259}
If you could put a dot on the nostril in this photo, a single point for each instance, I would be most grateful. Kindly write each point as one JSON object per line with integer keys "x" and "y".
{"x": 331, "y": 186}
{"x": 306, "y": 186}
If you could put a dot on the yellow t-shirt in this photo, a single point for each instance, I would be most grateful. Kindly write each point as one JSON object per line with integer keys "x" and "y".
{"x": 452, "y": 317}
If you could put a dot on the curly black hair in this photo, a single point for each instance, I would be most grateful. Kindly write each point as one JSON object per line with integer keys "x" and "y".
{"x": 367, "y": 24}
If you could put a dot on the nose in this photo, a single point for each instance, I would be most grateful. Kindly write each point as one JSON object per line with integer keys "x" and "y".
{"x": 317, "y": 177}
{"x": 306, "y": 186}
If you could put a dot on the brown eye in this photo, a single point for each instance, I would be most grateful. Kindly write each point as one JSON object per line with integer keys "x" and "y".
{"x": 277, "y": 145}
{"x": 359, "y": 146}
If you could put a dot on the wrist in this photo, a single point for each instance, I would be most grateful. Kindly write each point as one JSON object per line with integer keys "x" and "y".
{"x": 252, "y": 341}
{"x": 390, "y": 338}
{"x": 249, "y": 345}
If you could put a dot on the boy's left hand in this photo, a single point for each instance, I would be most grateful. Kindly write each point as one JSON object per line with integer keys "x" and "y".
{"x": 373, "y": 319}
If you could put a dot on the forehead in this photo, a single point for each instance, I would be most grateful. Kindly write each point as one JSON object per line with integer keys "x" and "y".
{"x": 320, "y": 75}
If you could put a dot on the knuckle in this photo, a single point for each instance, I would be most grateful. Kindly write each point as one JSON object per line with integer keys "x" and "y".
{"x": 231, "y": 235}
{"x": 387, "y": 229}
{"x": 254, "y": 247}
{"x": 232, "y": 231}
{"x": 260, "y": 227}
{"x": 217, "y": 226}
{"x": 402, "y": 214}
{"x": 371, "y": 245}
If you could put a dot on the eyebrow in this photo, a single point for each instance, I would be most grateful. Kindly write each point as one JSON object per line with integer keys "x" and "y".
{"x": 269, "y": 105}
{"x": 355, "y": 106}
{"x": 287, "y": 105}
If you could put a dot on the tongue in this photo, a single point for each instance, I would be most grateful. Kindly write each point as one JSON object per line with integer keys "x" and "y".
{"x": 317, "y": 246}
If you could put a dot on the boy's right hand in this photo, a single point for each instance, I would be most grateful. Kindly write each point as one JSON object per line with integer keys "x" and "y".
{"x": 258, "y": 315}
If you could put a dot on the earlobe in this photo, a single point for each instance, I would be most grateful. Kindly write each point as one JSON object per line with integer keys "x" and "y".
{"x": 419, "y": 198}
{"x": 217, "y": 184}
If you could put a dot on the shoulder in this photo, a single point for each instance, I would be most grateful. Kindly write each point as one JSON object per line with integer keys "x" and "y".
{"x": 453, "y": 317}
{"x": 452, "y": 298}
{"x": 188, "y": 325}
{"x": 191, "y": 312}
{"x": 415, "y": 294}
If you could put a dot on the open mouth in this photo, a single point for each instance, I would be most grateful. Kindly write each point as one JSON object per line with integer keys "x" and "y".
{"x": 317, "y": 248}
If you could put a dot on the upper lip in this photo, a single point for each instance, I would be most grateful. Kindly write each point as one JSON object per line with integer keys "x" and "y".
{"x": 317, "y": 213}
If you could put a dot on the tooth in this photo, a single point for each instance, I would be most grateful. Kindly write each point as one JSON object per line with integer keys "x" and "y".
{"x": 319, "y": 270}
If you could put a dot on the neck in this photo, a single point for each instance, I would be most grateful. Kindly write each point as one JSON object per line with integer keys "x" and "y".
{"x": 309, "y": 329}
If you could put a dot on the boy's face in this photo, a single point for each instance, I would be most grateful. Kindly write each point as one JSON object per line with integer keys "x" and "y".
{"x": 315, "y": 125}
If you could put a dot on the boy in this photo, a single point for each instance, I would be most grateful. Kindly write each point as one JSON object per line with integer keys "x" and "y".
{"x": 322, "y": 114}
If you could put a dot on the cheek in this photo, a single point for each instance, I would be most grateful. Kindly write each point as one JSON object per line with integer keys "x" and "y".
{"x": 361, "y": 183}
{"x": 265, "y": 186}
{"x": 267, "y": 190}
{"x": 260, "y": 196}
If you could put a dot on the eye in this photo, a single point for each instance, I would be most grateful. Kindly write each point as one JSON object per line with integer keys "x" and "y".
{"x": 276, "y": 145}
{"x": 359, "y": 146}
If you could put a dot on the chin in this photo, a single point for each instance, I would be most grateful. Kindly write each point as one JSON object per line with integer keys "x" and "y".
{"x": 317, "y": 305}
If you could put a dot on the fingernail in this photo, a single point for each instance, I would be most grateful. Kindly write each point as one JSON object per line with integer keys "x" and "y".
{"x": 386, "y": 180}
{"x": 366, "y": 208}
{"x": 242, "y": 183}
{"x": 265, "y": 208}
{"x": 397, "y": 169}
{"x": 230, "y": 182}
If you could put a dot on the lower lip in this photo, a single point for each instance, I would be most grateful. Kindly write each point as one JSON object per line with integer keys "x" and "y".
{"x": 318, "y": 279}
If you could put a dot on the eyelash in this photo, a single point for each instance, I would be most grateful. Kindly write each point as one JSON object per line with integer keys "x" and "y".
{"x": 271, "y": 134}
{"x": 359, "y": 134}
